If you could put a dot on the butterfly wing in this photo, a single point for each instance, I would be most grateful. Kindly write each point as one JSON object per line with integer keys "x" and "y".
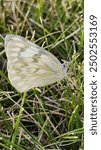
{"x": 30, "y": 65}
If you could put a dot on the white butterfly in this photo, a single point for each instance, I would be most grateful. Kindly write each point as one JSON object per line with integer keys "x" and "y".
{"x": 30, "y": 65}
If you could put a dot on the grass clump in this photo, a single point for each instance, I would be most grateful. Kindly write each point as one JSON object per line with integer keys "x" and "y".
{"x": 48, "y": 118}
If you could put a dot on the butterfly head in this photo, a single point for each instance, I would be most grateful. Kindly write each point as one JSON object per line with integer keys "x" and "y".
{"x": 65, "y": 66}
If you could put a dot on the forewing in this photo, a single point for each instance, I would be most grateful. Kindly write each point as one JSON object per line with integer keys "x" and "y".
{"x": 30, "y": 65}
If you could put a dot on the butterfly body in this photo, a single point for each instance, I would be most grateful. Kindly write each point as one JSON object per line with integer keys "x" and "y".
{"x": 30, "y": 65}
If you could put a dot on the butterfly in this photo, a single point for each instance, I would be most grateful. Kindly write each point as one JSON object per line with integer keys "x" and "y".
{"x": 30, "y": 65}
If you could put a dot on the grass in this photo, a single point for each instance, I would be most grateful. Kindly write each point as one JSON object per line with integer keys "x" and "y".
{"x": 51, "y": 117}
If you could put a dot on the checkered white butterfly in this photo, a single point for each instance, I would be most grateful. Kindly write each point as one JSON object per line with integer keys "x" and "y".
{"x": 30, "y": 65}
